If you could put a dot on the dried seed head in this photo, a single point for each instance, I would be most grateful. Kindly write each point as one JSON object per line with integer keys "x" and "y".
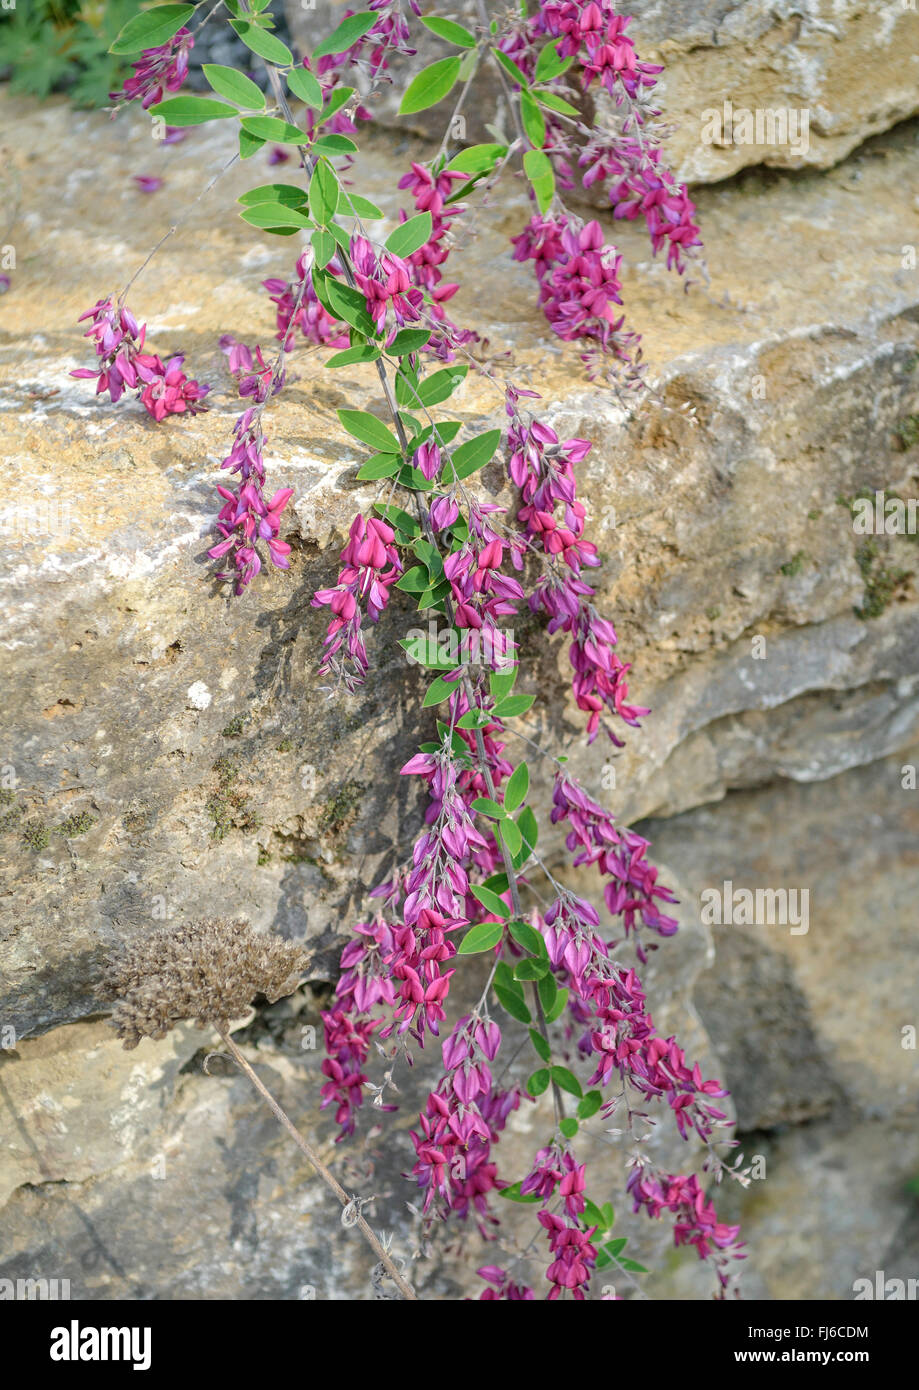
{"x": 208, "y": 970}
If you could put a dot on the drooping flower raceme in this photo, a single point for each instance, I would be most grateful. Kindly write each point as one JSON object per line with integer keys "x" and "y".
{"x": 163, "y": 387}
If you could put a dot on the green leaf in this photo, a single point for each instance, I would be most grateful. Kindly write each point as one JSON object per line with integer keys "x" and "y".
{"x": 615, "y": 1247}
{"x": 287, "y": 193}
{"x": 324, "y": 248}
{"x": 531, "y": 970}
{"x": 415, "y": 580}
{"x": 363, "y": 352}
{"x": 268, "y": 216}
{"x": 151, "y": 29}
{"x": 561, "y": 999}
{"x": 264, "y": 44}
{"x": 369, "y": 430}
{"x": 548, "y": 992}
{"x": 491, "y": 901}
{"x": 250, "y": 145}
{"x": 538, "y": 1082}
{"x": 501, "y": 683}
{"x": 513, "y": 705}
{"x": 452, "y": 33}
{"x": 380, "y": 466}
{"x": 339, "y": 98}
{"x": 477, "y": 159}
{"x": 475, "y": 453}
{"x": 235, "y": 86}
{"x": 438, "y": 691}
{"x": 513, "y": 1003}
{"x": 530, "y": 939}
{"x": 534, "y": 122}
{"x": 333, "y": 145}
{"x": 305, "y": 86}
{"x": 342, "y": 302}
{"x": 430, "y": 86}
{"x": 540, "y": 1046}
{"x": 513, "y": 1194}
{"x": 483, "y": 937}
{"x": 347, "y": 34}
{"x": 504, "y": 976}
{"x": 556, "y": 103}
{"x": 549, "y": 64}
{"x": 473, "y": 719}
{"x": 517, "y": 787}
{"x": 409, "y": 340}
{"x": 488, "y": 807}
{"x": 408, "y": 525}
{"x": 511, "y": 68}
{"x": 538, "y": 169}
{"x": 590, "y": 1105}
{"x": 324, "y": 193}
{"x": 568, "y": 1127}
{"x": 567, "y": 1080}
{"x": 592, "y": 1213}
{"x": 511, "y": 836}
{"x": 440, "y": 385}
{"x": 410, "y": 235}
{"x": 529, "y": 829}
{"x": 353, "y": 205}
{"x": 182, "y": 111}
{"x": 426, "y": 653}
{"x": 274, "y": 129}
{"x": 632, "y": 1266}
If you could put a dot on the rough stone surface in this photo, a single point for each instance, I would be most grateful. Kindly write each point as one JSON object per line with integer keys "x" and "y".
{"x": 850, "y": 65}
{"x": 144, "y": 712}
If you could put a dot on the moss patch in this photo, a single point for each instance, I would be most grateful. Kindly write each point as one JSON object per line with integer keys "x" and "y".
{"x": 228, "y": 806}
{"x": 75, "y": 825}
{"x": 340, "y": 811}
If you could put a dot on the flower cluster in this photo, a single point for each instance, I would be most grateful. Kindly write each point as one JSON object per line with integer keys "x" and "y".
{"x": 388, "y": 35}
{"x": 163, "y": 387}
{"x": 246, "y": 516}
{"x": 462, "y": 1120}
{"x": 619, "y": 855}
{"x": 254, "y": 376}
{"x": 542, "y": 468}
{"x": 431, "y": 193}
{"x": 158, "y": 70}
{"x": 594, "y": 34}
{"x": 297, "y": 306}
{"x": 386, "y": 285}
{"x": 695, "y": 1219}
{"x": 639, "y": 185}
{"x": 575, "y": 1257}
{"x": 371, "y": 566}
{"x": 578, "y": 276}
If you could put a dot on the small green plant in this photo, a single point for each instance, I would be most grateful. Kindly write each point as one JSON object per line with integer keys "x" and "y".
{"x": 908, "y": 432}
{"x": 228, "y": 807}
{"x": 36, "y": 835}
{"x": 77, "y": 824}
{"x": 793, "y": 566}
{"x": 881, "y": 582}
{"x": 62, "y": 45}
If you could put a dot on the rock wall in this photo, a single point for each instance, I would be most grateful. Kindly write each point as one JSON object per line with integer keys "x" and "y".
{"x": 167, "y": 752}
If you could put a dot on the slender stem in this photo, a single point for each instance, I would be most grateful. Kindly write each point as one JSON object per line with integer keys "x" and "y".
{"x": 327, "y": 1177}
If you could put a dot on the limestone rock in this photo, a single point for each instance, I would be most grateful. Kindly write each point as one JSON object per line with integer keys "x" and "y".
{"x": 788, "y": 84}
